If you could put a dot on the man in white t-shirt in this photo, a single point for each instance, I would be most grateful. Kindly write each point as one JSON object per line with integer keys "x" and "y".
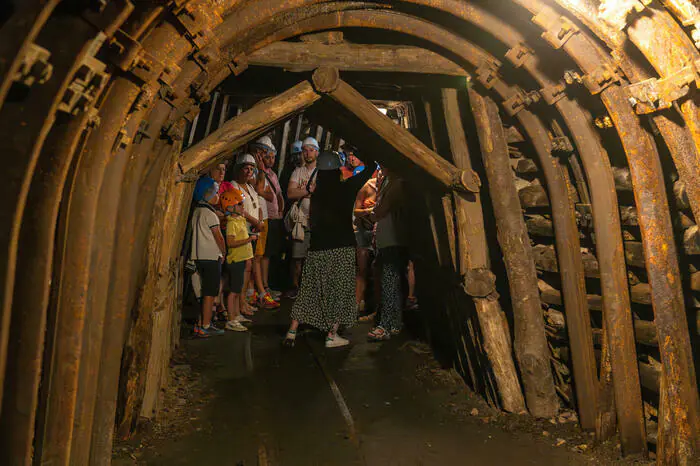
{"x": 301, "y": 186}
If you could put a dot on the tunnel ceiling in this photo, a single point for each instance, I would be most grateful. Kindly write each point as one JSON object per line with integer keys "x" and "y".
{"x": 92, "y": 122}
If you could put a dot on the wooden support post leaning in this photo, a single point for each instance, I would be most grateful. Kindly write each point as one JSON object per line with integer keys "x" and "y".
{"x": 327, "y": 81}
{"x": 474, "y": 266}
{"x": 247, "y": 125}
{"x": 531, "y": 350}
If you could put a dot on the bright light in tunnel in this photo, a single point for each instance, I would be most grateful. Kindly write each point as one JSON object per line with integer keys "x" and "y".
{"x": 383, "y": 110}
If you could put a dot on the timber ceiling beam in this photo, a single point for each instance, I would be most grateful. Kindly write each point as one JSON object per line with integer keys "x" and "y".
{"x": 247, "y": 126}
{"x": 306, "y": 56}
{"x": 327, "y": 81}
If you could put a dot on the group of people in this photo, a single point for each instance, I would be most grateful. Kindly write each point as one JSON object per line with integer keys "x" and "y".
{"x": 336, "y": 214}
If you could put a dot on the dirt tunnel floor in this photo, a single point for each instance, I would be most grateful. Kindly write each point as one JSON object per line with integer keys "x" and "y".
{"x": 274, "y": 406}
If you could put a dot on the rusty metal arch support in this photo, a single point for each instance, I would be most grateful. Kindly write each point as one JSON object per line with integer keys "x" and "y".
{"x": 667, "y": 295}
{"x": 651, "y": 31}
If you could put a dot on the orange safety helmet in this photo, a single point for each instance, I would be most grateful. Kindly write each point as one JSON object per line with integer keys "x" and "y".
{"x": 230, "y": 198}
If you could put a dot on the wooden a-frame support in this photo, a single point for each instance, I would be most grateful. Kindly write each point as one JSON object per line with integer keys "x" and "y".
{"x": 264, "y": 115}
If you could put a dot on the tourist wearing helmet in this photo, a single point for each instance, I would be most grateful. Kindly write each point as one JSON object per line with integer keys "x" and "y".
{"x": 240, "y": 250}
{"x": 301, "y": 187}
{"x": 208, "y": 249}
{"x": 326, "y": 297}
{"x": 270, "y": 243}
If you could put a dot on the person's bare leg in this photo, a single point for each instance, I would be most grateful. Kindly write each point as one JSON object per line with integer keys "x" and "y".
{"x": 233, "y": 305}
{"x": 244, "y": 308}
{"x": 257, "y": 271}
{"x": 297, "y": 272}
{"x": 207, "y": 304}
{"x": 265, "y": 269}
{"x": 411, "y": 280}
{"x": 361, "y": 276}
{"x": 291, "y": 336}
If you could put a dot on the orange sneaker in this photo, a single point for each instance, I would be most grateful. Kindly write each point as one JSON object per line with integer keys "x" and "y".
{"x": 268, "y": 302}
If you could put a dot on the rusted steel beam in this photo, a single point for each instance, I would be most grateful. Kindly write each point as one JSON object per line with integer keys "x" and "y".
{"x": 572, "y": 272}
{"x": 21, "y": 143}
{"x": 247, "y": 126}
{"x": 17, "y": 422}
{"x": 681, "y": 139}
{"x": 305, "y": 56}
{"x": 28, "y": 329}
{"x": 75, "y": 278}
{"x": 531, "y": 350}
{"x": 479, "y": 281}
{"x": 664, "y": 278}
{"x": 610, "y": 253}
{"x": 327, "y": 81}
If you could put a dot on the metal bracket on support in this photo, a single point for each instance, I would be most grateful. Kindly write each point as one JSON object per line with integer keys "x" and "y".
{"x": 87, "y": 81}
{"x": 519, "y": 54}
{"x": 197, "y": 21}
{"x": 35, "y": 66}
{"x": 141, "y": 132}
{"x": 519, "y": 100}
{"x": 562, "y": 144}
{"x": 554, "y": 93}
{"x": 615, "y": 13}
{"x": 239, "y": 64}
{"x": 103, "y": 14}
{"x": 655, "y": 94}
{"x": 204, "y": 57}
{"x": 601, "y": 78}
{"x": 584, "y": 215}
{"x": 557, "y": 29}
{"x": 487, "y": 73}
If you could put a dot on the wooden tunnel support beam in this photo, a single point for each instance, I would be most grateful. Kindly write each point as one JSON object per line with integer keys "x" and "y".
{"x": 474, "y": 267}
{"x": 248, "y": 125}
{"x": 306, "y": 56}
{"x": 327, "y": 81}
{"x": 531, "y": 350}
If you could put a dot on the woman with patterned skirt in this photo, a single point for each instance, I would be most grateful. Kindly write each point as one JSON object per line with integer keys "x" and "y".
{"x": 326, "y": 297}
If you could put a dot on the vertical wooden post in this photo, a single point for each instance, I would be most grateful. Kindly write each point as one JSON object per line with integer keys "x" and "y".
{"x": 283, "y": 147}
{"x": 473, "y": 257}
{"x": 531, "y": 348}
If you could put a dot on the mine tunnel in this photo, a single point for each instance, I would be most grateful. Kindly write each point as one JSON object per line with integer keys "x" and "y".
{"x": 549, "y": 151}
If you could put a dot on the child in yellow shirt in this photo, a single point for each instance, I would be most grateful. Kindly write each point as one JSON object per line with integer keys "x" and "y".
{"x": 240, "y": 252}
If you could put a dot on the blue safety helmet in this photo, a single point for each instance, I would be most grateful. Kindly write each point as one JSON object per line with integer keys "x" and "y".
{"x": 329, "y": 160}
{"x": 296, "y": 147}
{"x": 204, "y": 187}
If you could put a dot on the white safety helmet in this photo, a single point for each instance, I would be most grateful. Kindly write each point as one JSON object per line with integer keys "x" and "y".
{"x": 266, "y": 143}
{"x": 245, "y": 159}
{"x": 311, "y": 142}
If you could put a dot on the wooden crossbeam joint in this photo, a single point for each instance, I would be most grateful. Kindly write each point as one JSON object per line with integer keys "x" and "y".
{"x": 326, "y": 80}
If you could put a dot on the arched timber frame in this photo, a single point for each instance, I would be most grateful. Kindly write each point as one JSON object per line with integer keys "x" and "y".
{"x": 92, "y": 240}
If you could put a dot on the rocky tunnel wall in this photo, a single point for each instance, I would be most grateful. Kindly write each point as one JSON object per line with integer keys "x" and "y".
{"x": 596, "y": 114}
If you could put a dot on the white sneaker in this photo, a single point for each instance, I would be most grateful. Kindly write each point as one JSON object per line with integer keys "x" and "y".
{"x": 336, "y": 341}
{"x": 242, "y": 319}
{"x": 235, "y": 326}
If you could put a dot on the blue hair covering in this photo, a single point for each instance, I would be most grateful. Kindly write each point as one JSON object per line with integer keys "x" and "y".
{"x": 296, "y": 147}
{"x": 204, "y": 185}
